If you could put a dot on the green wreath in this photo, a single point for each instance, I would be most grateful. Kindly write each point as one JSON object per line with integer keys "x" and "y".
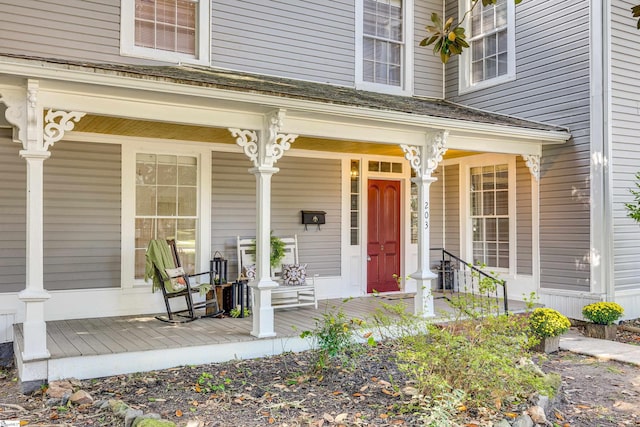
{"x": 277, "y": 250}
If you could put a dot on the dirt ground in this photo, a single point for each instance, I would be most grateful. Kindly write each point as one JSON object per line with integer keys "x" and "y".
{"x": 278, "y": 391}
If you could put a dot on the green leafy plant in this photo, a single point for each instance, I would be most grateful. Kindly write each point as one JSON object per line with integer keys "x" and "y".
{"x": 334, "y": 337}
{"x": 603, "y": 313}
{"x": 235, "y": 312}
{"x": 277, "y": 250}
{"x": 206, "y": 385}
{"x": 547, "y": 322}
{"x": 633, "y": 209}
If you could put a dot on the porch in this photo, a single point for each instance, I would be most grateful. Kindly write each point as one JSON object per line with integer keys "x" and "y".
{"x": 97, "y": 347}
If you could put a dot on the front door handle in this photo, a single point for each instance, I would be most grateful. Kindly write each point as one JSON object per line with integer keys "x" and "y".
{"x": 381, "y": 248}
{"x": 369, "y": 258}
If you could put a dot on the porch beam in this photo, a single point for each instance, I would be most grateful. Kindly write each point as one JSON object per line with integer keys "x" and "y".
{"x": 424, "y": 160}
{"x": 264, "y": 149}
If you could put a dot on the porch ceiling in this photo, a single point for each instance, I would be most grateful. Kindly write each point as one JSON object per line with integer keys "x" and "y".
{"x": 180, "y": 132}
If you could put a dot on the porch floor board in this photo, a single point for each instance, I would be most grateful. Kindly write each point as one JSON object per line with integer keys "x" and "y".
{"x": 86, "y": 348}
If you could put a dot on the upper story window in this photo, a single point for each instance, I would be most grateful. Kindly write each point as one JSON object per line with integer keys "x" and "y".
{"x": 166, "y": 30}
{"x": 490, "y": 59}
{"x": 382, "y": 52}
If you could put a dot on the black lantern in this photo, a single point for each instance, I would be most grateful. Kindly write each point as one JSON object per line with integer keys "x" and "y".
{"x": 219, "y": 265}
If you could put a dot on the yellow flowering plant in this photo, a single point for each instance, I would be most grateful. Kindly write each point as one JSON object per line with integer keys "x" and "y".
{"x": 602, "y": 313}
{"x": 547, "y": 322}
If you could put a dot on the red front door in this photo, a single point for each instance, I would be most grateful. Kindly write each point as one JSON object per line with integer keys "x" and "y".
{"x": 383, "y": 246}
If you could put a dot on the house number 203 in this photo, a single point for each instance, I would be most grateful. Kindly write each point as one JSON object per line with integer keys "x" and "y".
{"x": 426, "y": 215}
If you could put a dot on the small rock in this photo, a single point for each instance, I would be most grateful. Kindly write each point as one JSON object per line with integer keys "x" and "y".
{"x": 523, "y": 421}
{"x": 410, "y": 391}
{"x": 195, "y": 423}
{"x": 537, "y": 415}
{"x": 52, "y": 402}
{"x": 502, "y": 423}
{"x": 118, "y": 407}
{"x": 543, "y": 402}
{"x": 149, "y": 422}
{"x": 57, "y": 389}
{"x": 81, "y": 397}
{"x": 130, "y": 415}
{"x": 65, "y": 399}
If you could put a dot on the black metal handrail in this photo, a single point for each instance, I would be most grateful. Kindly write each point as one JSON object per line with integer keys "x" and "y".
{"x": 468, "y": 282}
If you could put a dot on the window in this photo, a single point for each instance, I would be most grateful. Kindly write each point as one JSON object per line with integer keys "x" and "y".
{"x": 355, "y": 202}
{"x": 167, "y": 30}
{"x": 381, "y": 59}
{"x": 489, "y": 203}
{"x": 490, "y": 58}
{"x": 166, "y": 205}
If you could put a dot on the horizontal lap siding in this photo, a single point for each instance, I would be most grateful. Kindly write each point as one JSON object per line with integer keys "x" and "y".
{"x": 625, "y": 67}
{"x": 82, "y": 226}
{"x": 312, "y": 41}
{"x": 74, "y": 29}
{"x": 301, "y": 184}
{"x": 524, "y": 263}
{"x": 427, "y": 67}
{"x": 13, "y": 208}
{"x": 552, "y": 86}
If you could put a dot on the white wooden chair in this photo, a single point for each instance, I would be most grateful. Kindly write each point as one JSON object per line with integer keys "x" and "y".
{"x": 282, "y": 296}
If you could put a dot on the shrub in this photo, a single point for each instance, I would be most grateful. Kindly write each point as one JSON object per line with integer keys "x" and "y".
{"x": 547, "y": 322}
{"x": 602, "y": 313}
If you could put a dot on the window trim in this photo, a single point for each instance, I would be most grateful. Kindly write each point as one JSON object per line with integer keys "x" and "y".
{"x": 466, "y": 234}
{"x": 406, "y": 87}
{"x": 203, "y": 37}
{"x": 464, "y": 70}
{"x": 203, "y": 234}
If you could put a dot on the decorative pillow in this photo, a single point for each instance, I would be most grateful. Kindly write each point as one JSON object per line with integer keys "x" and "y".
{"x": 175, "y": 278}
{"x": 249, "y": 272}
{"x": 294, "y": 274}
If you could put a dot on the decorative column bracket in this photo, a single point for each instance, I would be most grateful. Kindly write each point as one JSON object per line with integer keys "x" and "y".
{"x": 425, "y": 160}
{"x": 57, "y": 123}
{"x": 268, "y": 149}
{"x": 533, "y": 163}
{"x": 24, "y": 114}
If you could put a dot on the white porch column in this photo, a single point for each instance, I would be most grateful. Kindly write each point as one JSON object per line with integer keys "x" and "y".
{"x": 424, "y": 160}
{"x": 264, "y": 152}
{"x": 26, "y": 115}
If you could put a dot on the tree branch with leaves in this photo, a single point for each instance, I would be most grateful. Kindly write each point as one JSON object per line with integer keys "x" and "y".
{"x": 450, "y": 40}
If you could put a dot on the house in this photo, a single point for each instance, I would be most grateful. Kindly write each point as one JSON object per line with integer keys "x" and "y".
{"x": 126, "y": 120}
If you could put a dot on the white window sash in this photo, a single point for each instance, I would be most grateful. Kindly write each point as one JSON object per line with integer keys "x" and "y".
{"x": 203, "y": 37}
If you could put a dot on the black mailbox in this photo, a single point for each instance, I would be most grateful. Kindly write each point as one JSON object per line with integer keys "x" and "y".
{"x": 313, "y": 217}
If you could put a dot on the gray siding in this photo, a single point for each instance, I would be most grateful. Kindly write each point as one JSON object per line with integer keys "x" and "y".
{"x": 552, "y": 86}
{"x": 524, "y": 236}
{"x": 82, "y": 186}
{"x": 625, "y": 79}
{"x": 13, "y": 207}
{"x": 87, "y": 30}
{"x": 301, "y": 184}
{"x": 288, "y": 38}
{"x": 428, "y": 72}
{"x": 452, "y": 208}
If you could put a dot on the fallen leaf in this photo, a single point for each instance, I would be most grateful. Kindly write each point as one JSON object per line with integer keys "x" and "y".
{"x": 328, "y": 417}
{"x": 385, "y": 391}
{"x": 178, "y": 413}
{"x": 357, "y": 394}
{"x": 461, "y": 408}
{"x": 397, "y": 422}
{"x": 583, "y": 406}
{"x": 198, "y": 389}
{"x": 265, "y": 414}
{"x": 383, "y": 416}
{"x": 280, "y": 386}
{"x": 364, "y": 388}
{"x": 374, "y": 379}
{"x": 511, "y": 415}
{"x": 272, "y": 420}
{"x": 384, "y": 383}
{"x": 336, "y": 393}
{"x": 340, "y": 417}
{"x": 367, "y": 335}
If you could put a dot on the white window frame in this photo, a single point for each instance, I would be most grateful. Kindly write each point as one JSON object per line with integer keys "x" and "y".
{"x": 464, "y": 70}
{"x": 406, "y": 86}
{"x": 466, "y": 234}
{"x": 203, "y": 234}
{"x": 203, "y": 37}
